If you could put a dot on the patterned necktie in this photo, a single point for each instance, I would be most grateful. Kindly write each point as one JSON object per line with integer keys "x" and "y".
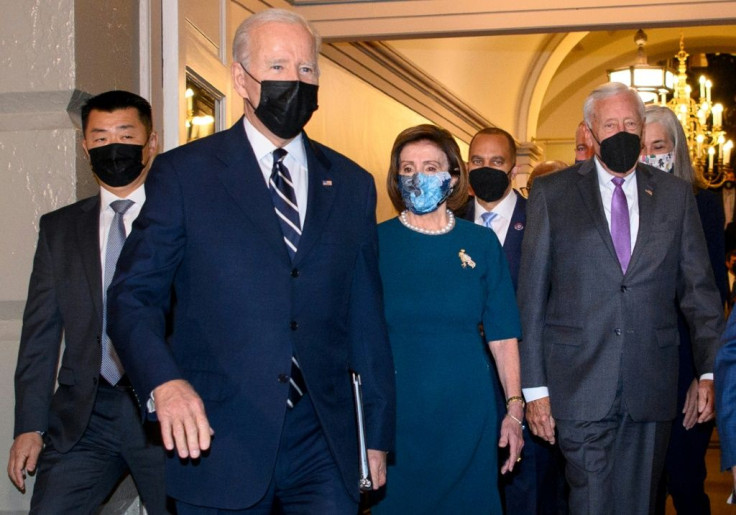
{"x": 284, "y": 202}
{"x": 620, "y": 226}
{"x": 488, "y": 217}
{"x": 111, "y": 368}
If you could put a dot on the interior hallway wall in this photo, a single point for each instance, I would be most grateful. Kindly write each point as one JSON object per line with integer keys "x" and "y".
{"x": 362, "y": 123}
{"x": 52, "y": 53}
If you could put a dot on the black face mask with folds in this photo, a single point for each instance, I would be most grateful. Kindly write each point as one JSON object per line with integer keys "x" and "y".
{"x": 285, "y": 106}
{"x": 620, "y": 152}
{"x": 489, "y": 184}
{"x": 117, "y": 164}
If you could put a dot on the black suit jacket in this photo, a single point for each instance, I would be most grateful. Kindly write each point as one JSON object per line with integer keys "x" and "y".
{"x": 243, "y": 308}
{"x": 64, "y": 298}
{"x": 586, "y": 324}
{"x": 514, "y": 236}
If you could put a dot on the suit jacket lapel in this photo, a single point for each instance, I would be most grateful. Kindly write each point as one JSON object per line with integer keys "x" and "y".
{"x": 88, "y": 237}
{"x": 591, "y": 195}
{"x": 241, "y": 175}
{"x": 323, "y": 186}
{"x": 645, "y": 192}
{"x": 518, "y": 221}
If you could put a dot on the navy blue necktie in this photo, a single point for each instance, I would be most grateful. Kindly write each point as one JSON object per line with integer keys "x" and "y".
{"x": 284, "y": 203}
{"x": 283, "y": 196}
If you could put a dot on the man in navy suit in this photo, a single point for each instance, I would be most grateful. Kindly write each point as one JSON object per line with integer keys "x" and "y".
{"x": 725, "y": 384}
{"x": 537, "y": 485}
{"x": 273, "y": 263}
{"x": 85, "y": 434}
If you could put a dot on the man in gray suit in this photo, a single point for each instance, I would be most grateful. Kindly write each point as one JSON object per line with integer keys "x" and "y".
{"x": 611, "y": 247}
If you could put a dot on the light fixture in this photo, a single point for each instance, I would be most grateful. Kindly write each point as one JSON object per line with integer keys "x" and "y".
{"x": 653, "y": 83}
{"x": 702, "y": 121}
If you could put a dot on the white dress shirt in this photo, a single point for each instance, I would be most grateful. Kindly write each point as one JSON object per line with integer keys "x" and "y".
{"x": 504, "y": 210}
{"x": 632, "y": 197}
{"x": 295, "y": 161}
{"x": 107, "y": 214}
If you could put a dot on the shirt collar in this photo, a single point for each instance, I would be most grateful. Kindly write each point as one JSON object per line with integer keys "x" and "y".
{"x": 107, "y": 197}
{"x": 505, "y": 208}
{"x": 604, "y": 177}
{"x": 262, "y": 147}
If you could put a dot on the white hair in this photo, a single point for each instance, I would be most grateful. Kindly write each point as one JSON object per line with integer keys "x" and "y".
{"x": 607, "y": 90}
{"x": 241, "y": 41}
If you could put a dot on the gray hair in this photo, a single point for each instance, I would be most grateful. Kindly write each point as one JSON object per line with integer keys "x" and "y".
{"x": 668, "y": 120}
{"x": 241, "y": 41}
{"x": 607, "y": 90}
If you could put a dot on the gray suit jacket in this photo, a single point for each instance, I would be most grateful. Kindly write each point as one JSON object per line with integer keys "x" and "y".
{"x": 585, "y": 323}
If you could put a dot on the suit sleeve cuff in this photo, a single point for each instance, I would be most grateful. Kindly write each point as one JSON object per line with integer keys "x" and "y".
{"x": 536, "y": 393}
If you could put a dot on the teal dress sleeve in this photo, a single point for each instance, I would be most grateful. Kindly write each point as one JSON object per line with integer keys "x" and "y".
{"x": 500, "y": 312}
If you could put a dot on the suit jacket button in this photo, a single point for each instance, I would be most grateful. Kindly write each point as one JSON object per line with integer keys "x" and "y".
{"x": 623, "y": 288}
{"x": 294, "y": 326}
{"x": 295, "y": 273}
{"x": 617, "y": 331}
{"x": 283, "y": 378}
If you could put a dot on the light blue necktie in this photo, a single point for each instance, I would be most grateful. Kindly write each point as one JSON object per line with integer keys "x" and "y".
{"x": 111, "y": 368}
{"x": 488, "y": 217}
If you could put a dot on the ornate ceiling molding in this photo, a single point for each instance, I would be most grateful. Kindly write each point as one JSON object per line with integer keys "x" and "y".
{"x": 363, "y": 20}
{"x": 388, "y": 71}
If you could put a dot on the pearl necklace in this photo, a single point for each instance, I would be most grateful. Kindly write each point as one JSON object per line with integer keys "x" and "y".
{"x": 432, "y": 232}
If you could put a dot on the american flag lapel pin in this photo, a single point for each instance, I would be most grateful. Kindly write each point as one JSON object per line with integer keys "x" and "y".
{"x": 327, "y": 182}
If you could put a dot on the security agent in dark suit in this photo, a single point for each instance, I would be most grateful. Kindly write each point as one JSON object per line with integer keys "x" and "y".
{"x": 604, "y": 263}
{"x": 86, "y": 434}
{"x": 537, "y": 484}
{"x": 265, "y": 278}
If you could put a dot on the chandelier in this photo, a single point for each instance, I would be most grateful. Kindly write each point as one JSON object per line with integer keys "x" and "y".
{"x": 710, "y": 151}
{"x": 703, "y": 123}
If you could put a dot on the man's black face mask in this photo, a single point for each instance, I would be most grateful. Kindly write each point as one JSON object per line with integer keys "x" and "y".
{"x": 285, "y": 106}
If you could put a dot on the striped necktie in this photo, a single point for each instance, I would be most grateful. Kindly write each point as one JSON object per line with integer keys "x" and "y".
{"x": 283, "y": 196}
{"x": 111, "y": 369}
{"x": 284, "y": 203}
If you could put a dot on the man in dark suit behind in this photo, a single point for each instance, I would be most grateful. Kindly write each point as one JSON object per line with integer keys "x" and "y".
{"x": 537, "y": 485}
{"x": 265, "y": 278}
{"x": 87, "y": 433}
{"x": 605, "y": 257}
{"x": 492, "y": 168}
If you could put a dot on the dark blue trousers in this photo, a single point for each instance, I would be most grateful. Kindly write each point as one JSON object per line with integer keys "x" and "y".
{"x": 306, "y": 479}
{"x": 115, "y": 442}
{"x": 685, "y": 471}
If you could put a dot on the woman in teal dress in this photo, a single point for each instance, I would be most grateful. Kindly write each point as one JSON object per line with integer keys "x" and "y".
{"x": 442, "y": 278}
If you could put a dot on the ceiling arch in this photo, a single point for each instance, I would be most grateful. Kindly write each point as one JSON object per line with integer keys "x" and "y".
{"x": 541, "y": 74}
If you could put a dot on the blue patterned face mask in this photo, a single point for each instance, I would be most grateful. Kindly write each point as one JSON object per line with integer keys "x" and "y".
{"x": 665, "y": 162}
{"x": 424, "y": 192}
